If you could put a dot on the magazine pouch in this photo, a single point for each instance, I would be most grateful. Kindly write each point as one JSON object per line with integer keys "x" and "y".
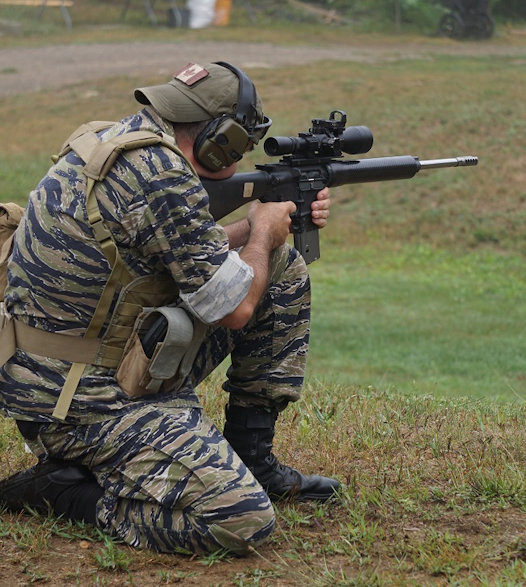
{"x": 153, "y": 354}
{"x": 7, "y": 336}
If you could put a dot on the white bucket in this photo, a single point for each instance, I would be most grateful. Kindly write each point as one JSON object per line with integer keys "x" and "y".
{"x": 202, "y": 13}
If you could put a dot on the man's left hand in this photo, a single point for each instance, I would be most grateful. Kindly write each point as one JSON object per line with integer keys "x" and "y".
{"x": 320, "y": 208}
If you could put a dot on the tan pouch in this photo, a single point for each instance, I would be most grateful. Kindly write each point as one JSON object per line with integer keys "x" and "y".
{"x": 132, "y": 373}
{"x": 139, "y": 375}
{"x": 7, "y": 336}
{"x": 10, "y": 215}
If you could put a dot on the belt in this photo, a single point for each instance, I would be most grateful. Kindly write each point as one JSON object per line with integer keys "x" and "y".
{"x": 54, "y": 345}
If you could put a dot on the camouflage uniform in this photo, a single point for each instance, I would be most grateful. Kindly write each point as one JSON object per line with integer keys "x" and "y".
{"x": 170, "y": 478}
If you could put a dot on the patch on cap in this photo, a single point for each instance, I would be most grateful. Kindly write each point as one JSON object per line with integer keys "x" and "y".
{"x": 191, "y": 74}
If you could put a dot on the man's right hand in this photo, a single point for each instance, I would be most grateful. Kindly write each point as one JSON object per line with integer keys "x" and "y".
{"x": 271, "y": 221}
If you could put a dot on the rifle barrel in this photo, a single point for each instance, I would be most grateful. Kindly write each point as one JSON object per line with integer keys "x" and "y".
{"x": 387, "y": 168}
{"x": 466, "y": 161}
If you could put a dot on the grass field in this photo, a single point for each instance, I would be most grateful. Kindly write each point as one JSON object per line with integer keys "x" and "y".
{"x": 421, "y": 320}
{"x": 416, "y": 386}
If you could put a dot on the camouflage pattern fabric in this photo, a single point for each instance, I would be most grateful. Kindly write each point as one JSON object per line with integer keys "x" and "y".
{"x": 158, "y": 214}
{"x": 171, "y": 480}
{"x": 269, "y": 354}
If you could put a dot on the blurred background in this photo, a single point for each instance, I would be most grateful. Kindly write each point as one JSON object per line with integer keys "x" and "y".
{"x": 456, "y": 18}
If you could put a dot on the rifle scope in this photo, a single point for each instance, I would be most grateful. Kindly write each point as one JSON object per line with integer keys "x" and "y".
{"x": 352, "y": 140}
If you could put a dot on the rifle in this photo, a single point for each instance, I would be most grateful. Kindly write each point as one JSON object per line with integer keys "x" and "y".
{"x": 309, "y": 163}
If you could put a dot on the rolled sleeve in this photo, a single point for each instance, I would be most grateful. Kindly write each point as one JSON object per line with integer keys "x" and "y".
{"x": 223, "y": 293}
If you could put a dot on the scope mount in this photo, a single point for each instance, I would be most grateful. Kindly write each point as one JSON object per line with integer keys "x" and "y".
{"x": 326, "y": 139}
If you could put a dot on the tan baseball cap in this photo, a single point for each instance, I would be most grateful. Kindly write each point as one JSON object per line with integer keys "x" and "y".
{"x": 196, "y": 93}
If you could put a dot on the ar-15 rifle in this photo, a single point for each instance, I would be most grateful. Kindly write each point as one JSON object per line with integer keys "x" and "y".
{"x": 308, "y": 165}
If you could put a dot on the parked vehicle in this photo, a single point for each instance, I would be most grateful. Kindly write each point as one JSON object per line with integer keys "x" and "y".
{"x": 467, "y": 18}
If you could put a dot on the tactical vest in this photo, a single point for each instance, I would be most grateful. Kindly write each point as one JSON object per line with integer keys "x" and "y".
{"x": 136, "y": 294}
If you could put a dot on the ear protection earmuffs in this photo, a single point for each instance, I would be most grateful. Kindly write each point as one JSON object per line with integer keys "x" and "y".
{"x": 225, "y": 139}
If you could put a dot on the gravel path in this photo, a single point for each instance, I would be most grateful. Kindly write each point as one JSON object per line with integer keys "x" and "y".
{"x": 33, "y": 69}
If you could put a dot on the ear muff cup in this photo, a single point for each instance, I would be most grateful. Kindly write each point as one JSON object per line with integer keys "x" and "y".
{"x": 221, "y": 143}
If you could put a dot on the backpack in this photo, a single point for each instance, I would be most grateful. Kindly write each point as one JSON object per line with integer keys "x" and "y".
{"x": 10, "y": 215}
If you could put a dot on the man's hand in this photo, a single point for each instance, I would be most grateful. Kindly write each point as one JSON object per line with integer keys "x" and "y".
{"x": 320, "y": 208}
{"x": 238, "y": 232}
{"x": 266, "y": 227}
{"x": 271, "y": 220}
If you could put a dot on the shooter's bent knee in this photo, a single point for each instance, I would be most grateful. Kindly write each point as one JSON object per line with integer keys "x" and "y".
{"x": 287, "y": 260}
{"x": 244, "y": 529}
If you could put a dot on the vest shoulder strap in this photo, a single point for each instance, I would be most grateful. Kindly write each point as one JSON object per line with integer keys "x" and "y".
{"x": 99, "y": 157}
{"x": 94, "y": 126}
{"x": 105, "y": 154}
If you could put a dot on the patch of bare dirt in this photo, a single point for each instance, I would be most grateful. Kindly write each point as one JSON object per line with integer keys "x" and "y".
{"x": 32, "y": 69}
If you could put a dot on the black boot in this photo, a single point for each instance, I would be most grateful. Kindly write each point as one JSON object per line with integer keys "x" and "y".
{"x": 66, "y": 489}
{"x": 250, "y": 432}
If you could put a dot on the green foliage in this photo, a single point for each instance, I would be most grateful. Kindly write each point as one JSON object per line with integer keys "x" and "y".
{"x": 509, "y": 8}
{"x": 422, "y": 14}
{"x": 112, "y": 558}
{"x": 374, "y": 15}
{"x": 386, "y": 8}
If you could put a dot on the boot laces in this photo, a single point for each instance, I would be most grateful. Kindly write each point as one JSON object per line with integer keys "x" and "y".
{"x": 288, "y": 475}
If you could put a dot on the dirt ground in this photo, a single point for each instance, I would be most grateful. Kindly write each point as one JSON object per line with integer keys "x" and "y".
{"x": 40, "y": 68}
